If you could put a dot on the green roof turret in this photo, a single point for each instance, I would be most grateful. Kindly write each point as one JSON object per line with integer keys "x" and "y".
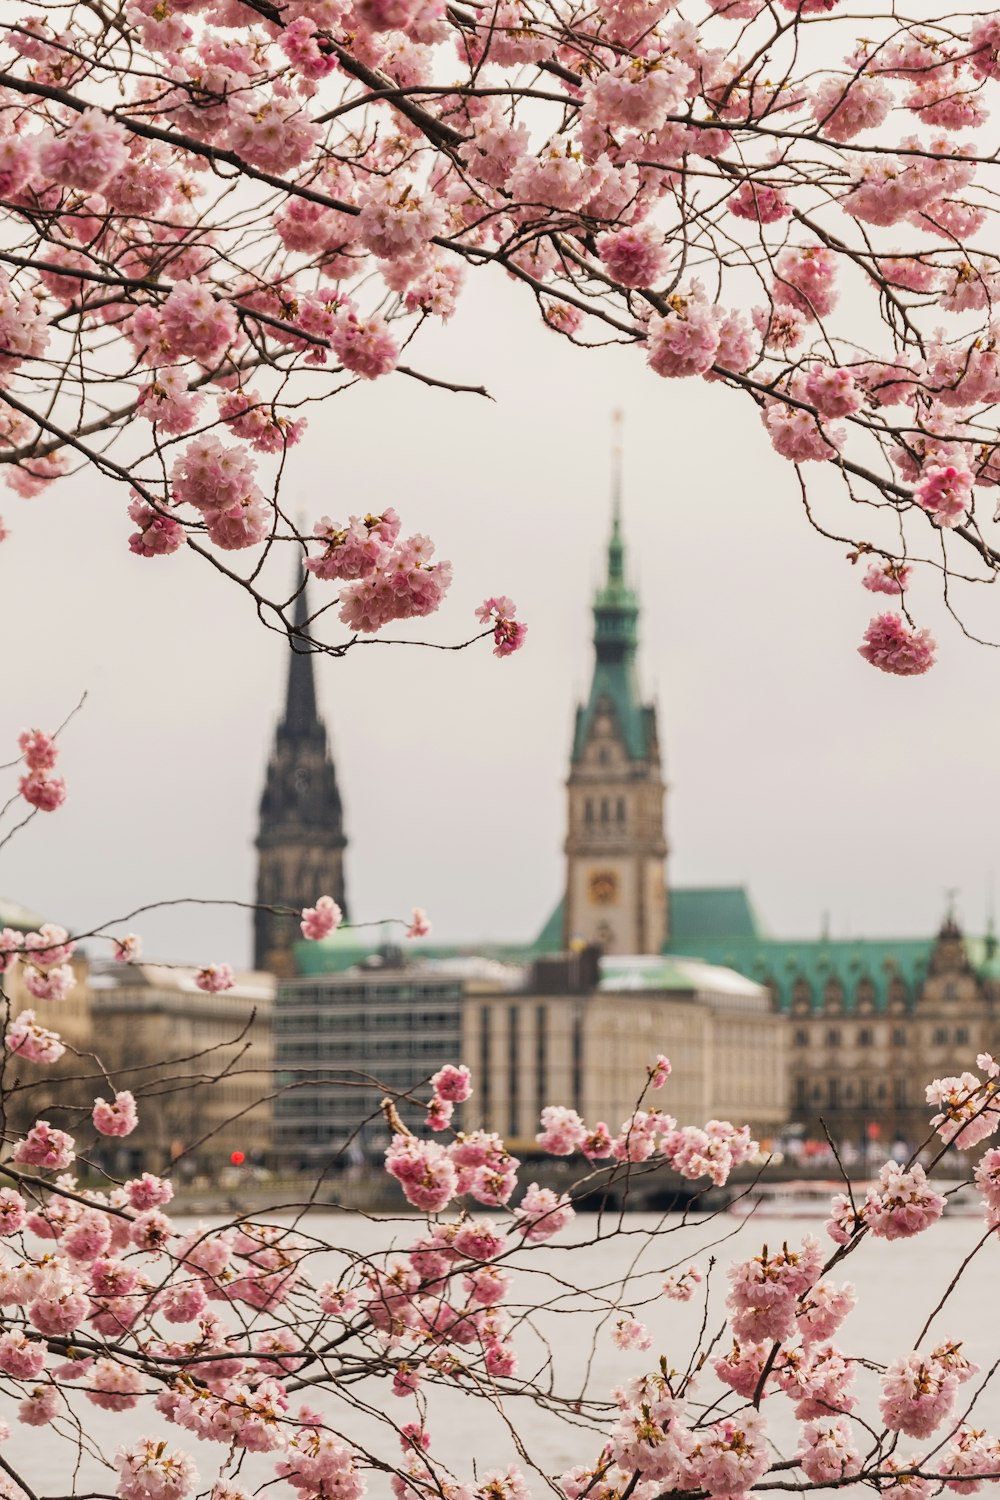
{"x": 616, "y": 641}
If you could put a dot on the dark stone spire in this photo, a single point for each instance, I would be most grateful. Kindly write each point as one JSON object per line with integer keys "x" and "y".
{"x": 300, "y": 836}
{"x": 301, "y": 717}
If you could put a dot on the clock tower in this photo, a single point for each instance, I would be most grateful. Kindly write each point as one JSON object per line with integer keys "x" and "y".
{"x": 300, "y": 835}
{"x": 616, "y": 892}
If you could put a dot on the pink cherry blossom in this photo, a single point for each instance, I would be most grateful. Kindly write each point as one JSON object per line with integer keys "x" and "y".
{"x": 892, "y": 646}
{"x": 508, "y": 633}
{"x": 35, "y": 1042}
{"x": 918, "y": 1393}
{"x": 452, "y": 1083}
{"x": 635, "y": 256}
{"x": 827, "y": 1450}
{"x": 419, "y": 925}
{"x": 628, "y": 1333}
{"x": 214, "y": 978}
{"x": 797, "y": 435}
{"x": 968, "y": 1111}
{"x": 42, "y": 791}
{"x": 424, "y": 1170}
{"x": 562, "y": 1132}
{"x": 39, "y": 749}
{"x": 149, "y": 1470}
{"x": 759, "y": 202}
{"x": 120, "y": 1117}
{"x": 49, "y": 984}
{"x": 158, "y": 536}
{"x": 805, "y": 279}
{"x": 685, "y": 340}
{"x": 887, "y": 577}
{"x": 542, "y": 1213}
{"x": 86, "y": 155}
{"x": 660, "y": 1071}
{"x": 902, "y": 1204}
{"x": 46, "y": 1147}
{"x": 320, "y": 920}
{"x": 13, "y": 1212}
{"x": 945, "y": 492}
{"x": 680, "y": 1286}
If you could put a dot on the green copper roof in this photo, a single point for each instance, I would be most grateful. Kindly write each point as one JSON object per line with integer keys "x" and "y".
{"x": 615, "y": 680}
{"x": 698, "y": 915}
{"x": 332, "y": 955}
{"x": 782, "y": 965}
{"x": 707, "y": 913}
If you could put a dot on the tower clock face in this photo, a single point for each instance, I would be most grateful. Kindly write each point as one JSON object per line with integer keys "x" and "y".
{"x": 603, "y": 887}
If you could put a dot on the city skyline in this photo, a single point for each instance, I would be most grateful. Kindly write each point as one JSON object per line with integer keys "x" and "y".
{"x": 451, "y": 765}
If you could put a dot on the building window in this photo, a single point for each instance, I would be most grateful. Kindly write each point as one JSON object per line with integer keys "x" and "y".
{"x": 605, "y": 810}
{"x": 541, "y": 1057}
{"x": 865, "y": 1036}
{"x": 800, "y": 1094}
{"x": 899, "y": 1036}
{"x": 621, "y": 809}
{"x": 513, "y": 1070}
{"x": 801, "y": 1038}
{"x": 577, "y": 1062}
{"x": 899, "y": 1092}
{"x": 832, "y": 1093}
{"x": 833, "y": 1036}
{"x": 588, "y": 810}
{"x": 962, "y": 1036}
{"x": 485, "y": 1060}
{"x": 941, "y": 1036}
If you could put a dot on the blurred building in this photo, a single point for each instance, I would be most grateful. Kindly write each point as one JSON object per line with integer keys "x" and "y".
{"x": 830, "y": 1035}
{"x": 57, "y": 1091}
{"x": 199, "y": 1065}
{"x": 341, "y": 1042}
{"x": 584, "y": 1030}
{"x": 616, "y": 895}
{"x": 300, "y": 834}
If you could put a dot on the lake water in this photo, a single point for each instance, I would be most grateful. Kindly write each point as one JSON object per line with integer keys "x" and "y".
{"x": 567, "y": 1346}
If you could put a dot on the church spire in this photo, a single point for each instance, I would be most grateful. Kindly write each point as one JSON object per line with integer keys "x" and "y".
{"x": 616, "y": 546}
{"x": 616, "y": 607}
{"x": 300, "y": 835}
{"x": 615, "y": 842}
{"x": 301, "y": 717}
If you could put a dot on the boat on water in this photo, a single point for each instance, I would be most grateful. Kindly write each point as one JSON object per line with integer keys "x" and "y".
{"x": 807, "y": 1199}
{"x": 810, "y": 1199}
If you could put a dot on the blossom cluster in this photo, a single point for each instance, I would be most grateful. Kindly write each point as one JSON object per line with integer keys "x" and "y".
{"x": 207, "y": 1329}
{"x": 505, "y": 140}
{"x": 38, "y": 787}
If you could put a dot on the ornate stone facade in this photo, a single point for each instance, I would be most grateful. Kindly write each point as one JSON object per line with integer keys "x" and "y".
{"x": 860, "y": 1068}
{"x": 300, "y": 838}
{"x": 616, "y": 895}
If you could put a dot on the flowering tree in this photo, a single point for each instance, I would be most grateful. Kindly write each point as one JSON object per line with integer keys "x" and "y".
{"x": 239, "y": 1367}
{"x": 241, "y": 1362}
{"x": 218, "y": 213}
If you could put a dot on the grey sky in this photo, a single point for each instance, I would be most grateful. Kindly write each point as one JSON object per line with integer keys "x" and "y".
{"x": 793, "y": 766}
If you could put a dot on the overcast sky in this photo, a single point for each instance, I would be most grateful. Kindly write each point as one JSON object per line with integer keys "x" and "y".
{"x": 793, "y": 766}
